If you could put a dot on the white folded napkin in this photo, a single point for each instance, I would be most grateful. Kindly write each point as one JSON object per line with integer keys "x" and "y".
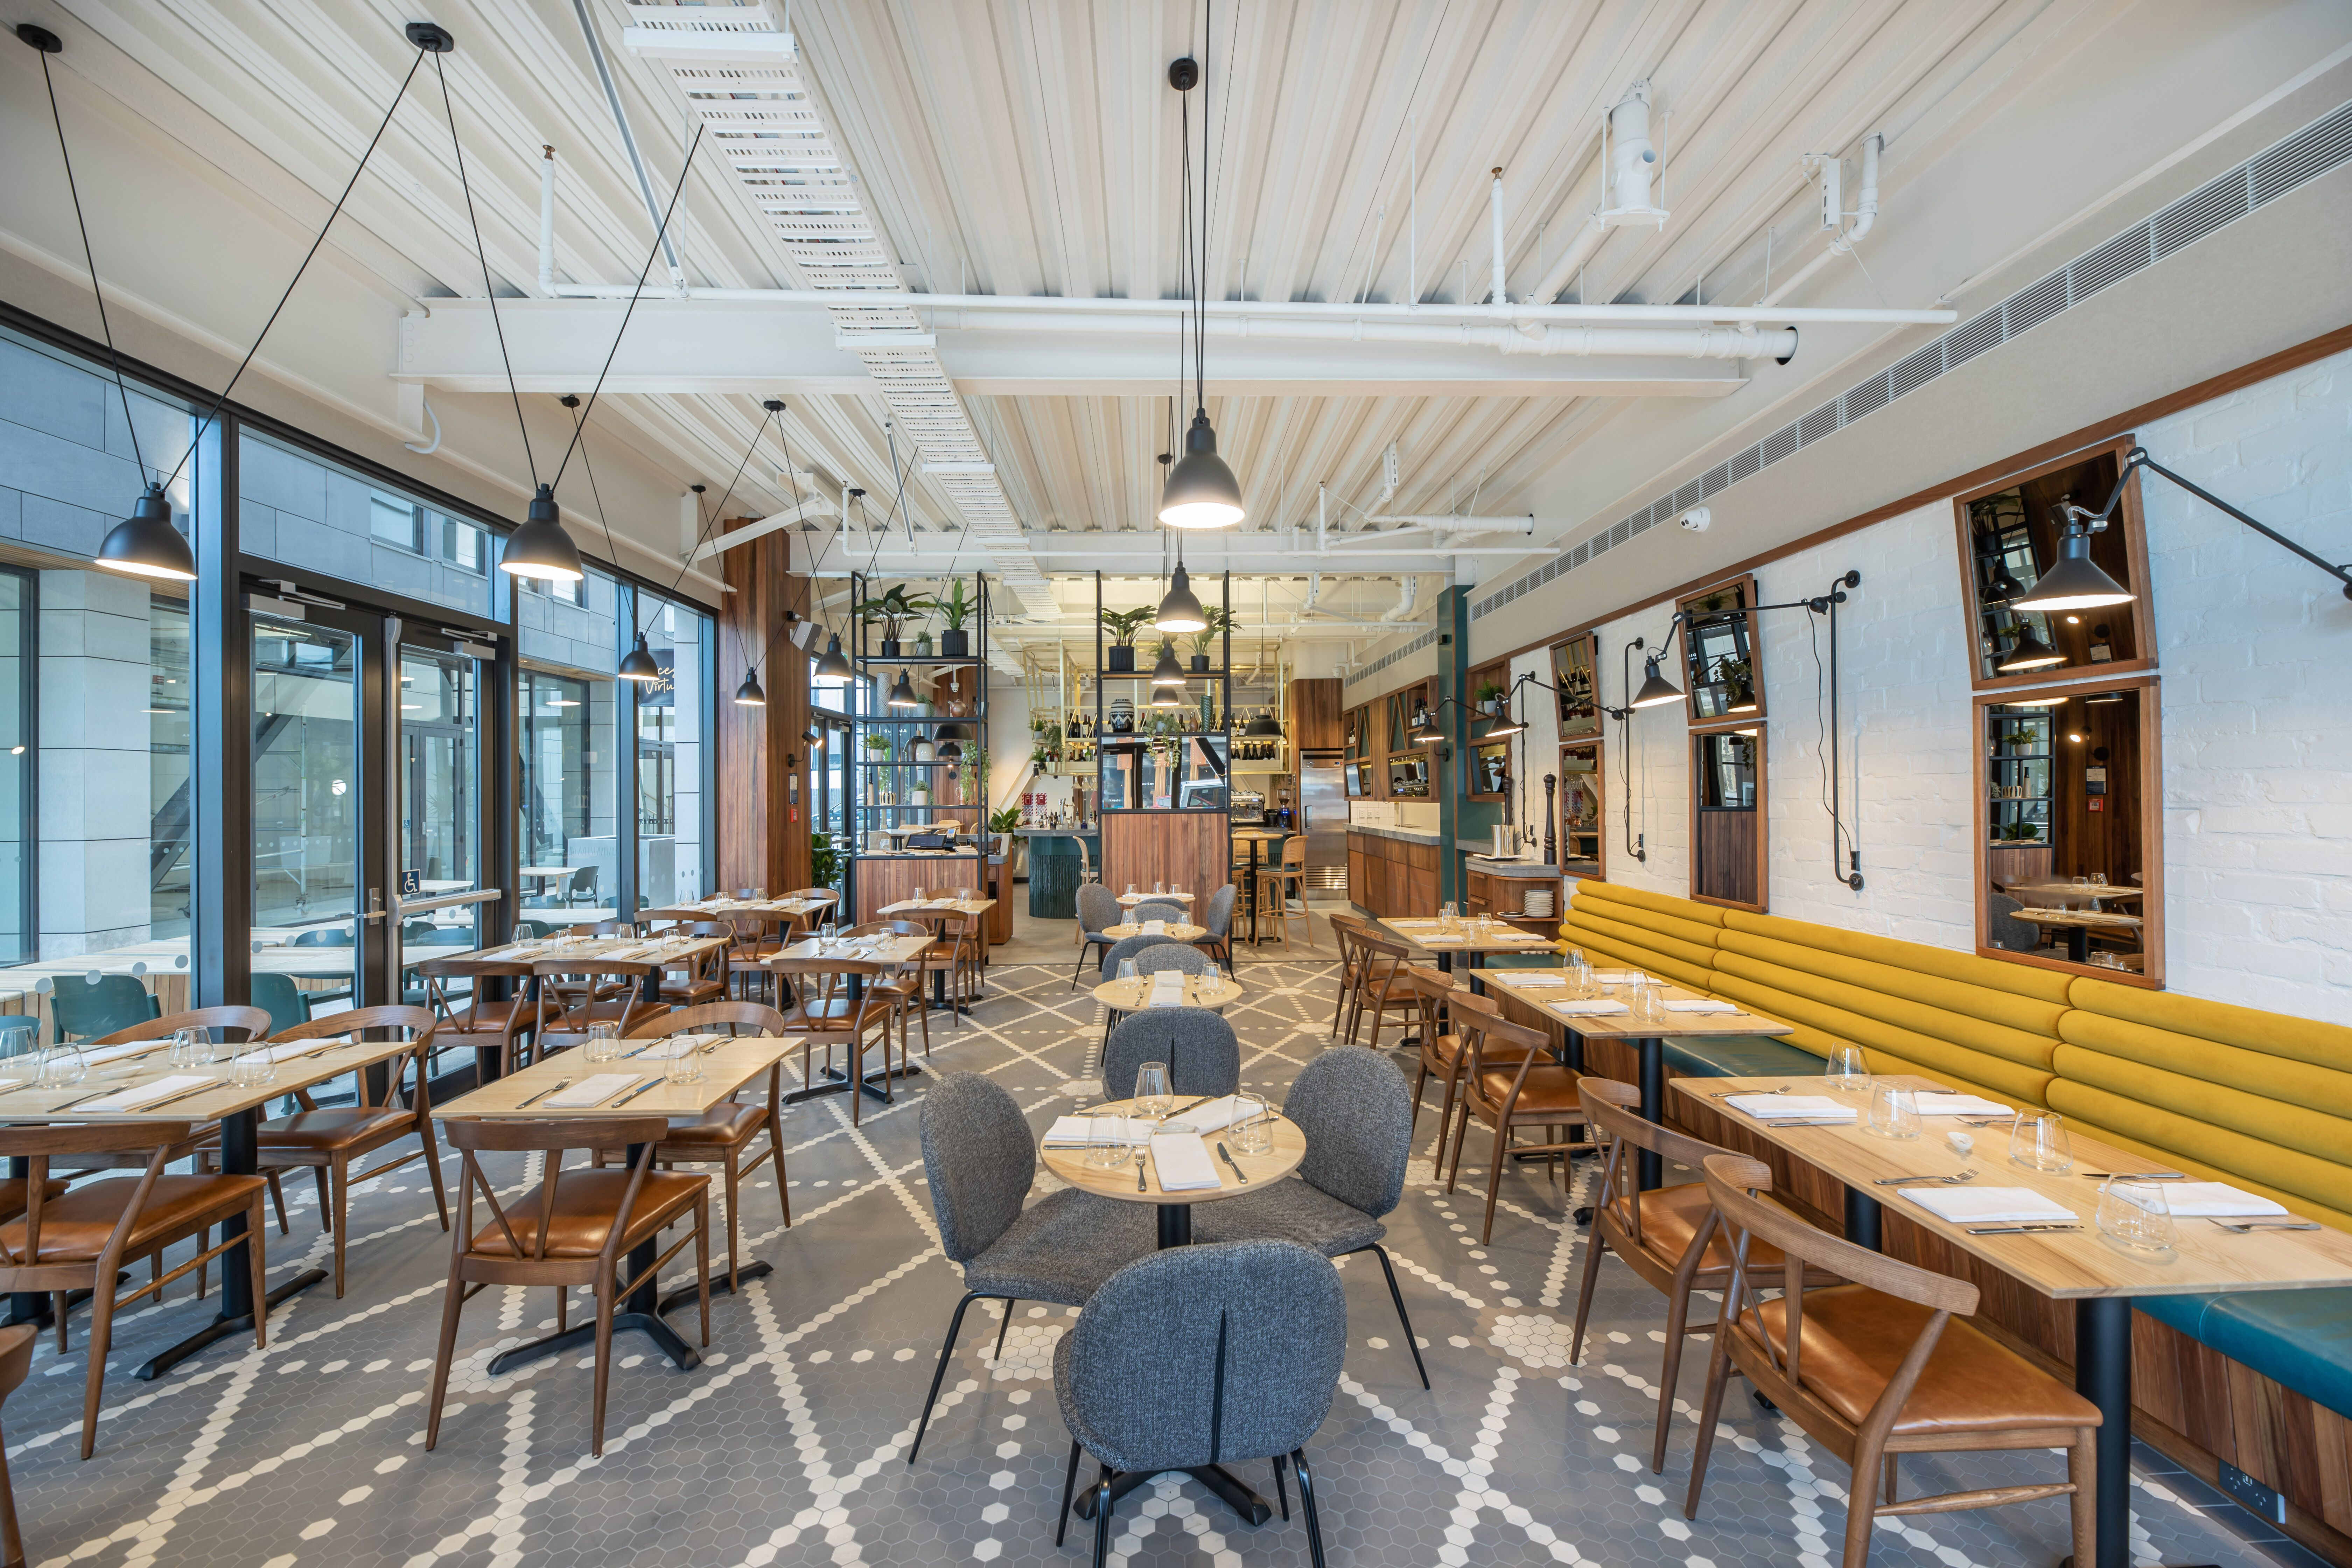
{"x": 1979, "y": 1205}
{"x": 638, "y": 951}
{"x": 1701, "y": 1006}
{"x": 1212, "y": 1115}
{"x": 1533, "y": 977}
{"x": 1790, "y": 1107}
{"x": 1436, "y": 941}
{"x": 1182, "y": 1162}
{"x": 1167, "y": 989}
{"x": 292, "y": 1048}
{"x": 2216, "y": 1199}
{"x": 1615, "y": 976}
{"x": 105, "y": 1053}
{"x": 1155, "y": 928}
{"x": 1598, "y": 1007}
{"x": 593, "y": 1091}
{"x": 146, "y": 1094}
{"x": 1961, "y": 1105}
{"x": 1080, "y": 1129}
{"x": 677, "y": 1045}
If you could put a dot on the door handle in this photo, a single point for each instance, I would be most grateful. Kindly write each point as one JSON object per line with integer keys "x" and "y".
{"x": 375, "y": 910}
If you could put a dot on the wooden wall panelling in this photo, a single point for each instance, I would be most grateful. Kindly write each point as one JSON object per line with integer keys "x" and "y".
{"x": 1314, "y": 710}
{"x": 890, "y": 879}
{"x": 760, "y": 751}
{"x": 1187, "y": 850}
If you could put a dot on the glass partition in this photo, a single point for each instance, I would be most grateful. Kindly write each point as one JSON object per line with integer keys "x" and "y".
{"x": 669, "y": 747}
{"x": 19, "y": 920}
{"x": 563, "y": 723}
{"x": 294, "y": 508}
{"x": 306, "y": 759}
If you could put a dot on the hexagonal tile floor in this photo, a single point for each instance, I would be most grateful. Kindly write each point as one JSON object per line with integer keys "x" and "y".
{"x": 788, "y": 1445}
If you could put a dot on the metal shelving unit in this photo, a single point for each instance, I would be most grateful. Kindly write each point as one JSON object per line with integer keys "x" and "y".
{"x": 869, "y": 778}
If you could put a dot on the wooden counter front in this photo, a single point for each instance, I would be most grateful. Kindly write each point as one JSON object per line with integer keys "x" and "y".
{"x": 1187, "y": 850}
{"x": 1392, "y": 876}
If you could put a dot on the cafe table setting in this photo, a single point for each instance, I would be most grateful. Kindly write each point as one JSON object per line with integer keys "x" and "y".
{"x": 1176, "y": 930}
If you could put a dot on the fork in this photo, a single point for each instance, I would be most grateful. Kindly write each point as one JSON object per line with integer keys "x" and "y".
{"x": 543, "y": 1094}
{"x": 2243, "y": 1226}
{"x": 1139, "y": 1171}
{"x": 1965, "y": 1176}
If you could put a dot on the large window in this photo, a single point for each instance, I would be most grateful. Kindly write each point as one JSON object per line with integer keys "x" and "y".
{"x": 19, "y": 920}
{"x": 670, "y": 742}
{"x": 306, "y": 763}
{"x": 293, "y": 507}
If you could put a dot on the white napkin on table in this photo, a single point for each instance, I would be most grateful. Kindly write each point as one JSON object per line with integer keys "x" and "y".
{"x": 101, "y": 1056}
{"x": 1435, "y": 941}
{"x": 146, "y": 1094}
{"x": 1080, "y": 1129}
{"x": 592, "y": 1091}
{"x": 2216, "y": 1199}
{"x": 1979, "y": 1205}
{"x": 292, "y": 1048}
{"x": 1701, "y": 1005}
{"x": 1790, "y": 1107}
{"x": 1167, "y": 989}
{"x": 1182, "y": 1162}
{"x": 1155, "y": 928}
{"x": 1615, "y": 976}
{"x": 1598, "y": 1007}
{"x": 1532, "y": 977}
{"x": 1212, "y": 1115}
{"x": 1961, "y": 1105}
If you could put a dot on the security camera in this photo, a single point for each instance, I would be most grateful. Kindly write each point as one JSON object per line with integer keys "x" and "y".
{"x": 1697, "y": 519}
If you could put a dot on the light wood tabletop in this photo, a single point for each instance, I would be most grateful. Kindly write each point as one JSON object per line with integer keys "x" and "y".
{"x": 1119, "y": 1181}
{"x": 2064, "y": 1265}
{"x": 1200, "y": 991}
{"x": 890, "y": 950}
{"x": 1128, "y": 900}
{"x": 728, "y": 909}
{"x": 550, "y": 955}
{"x": 938, "y": 907}
{"x": 728, "y": 1064}
{"x": 1465, "y": 937}
{"x": 1175, "y": 929}
{"x": 1624, "y": 1026}
{"x": 2055, "y": 887}
{"x": 316, "y": 1062}
{"x": 2097, "y": 919}
{"x": 1257, "y": 835}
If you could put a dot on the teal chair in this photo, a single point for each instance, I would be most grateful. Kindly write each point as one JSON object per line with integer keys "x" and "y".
{"x": 85, "y": 1012}
{"x": 285, "y": 1003}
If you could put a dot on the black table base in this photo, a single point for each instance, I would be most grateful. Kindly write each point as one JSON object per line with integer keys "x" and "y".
{"x": 2103, "y": 1358}
{"x": 1653, "y": 1170}
{"x": 684, "y": 1296}
{"x": 225, "y": 1324}
{"x": 876, "y": 1083}
{"x": 1862, "y": 1213}
{"x": 1237, "y": 1494}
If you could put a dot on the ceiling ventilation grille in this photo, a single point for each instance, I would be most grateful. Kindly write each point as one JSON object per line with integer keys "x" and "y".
{"x": 1390, "y": 658}
{"x": 741, "y": 74}
{"x": 2322, "y": 145}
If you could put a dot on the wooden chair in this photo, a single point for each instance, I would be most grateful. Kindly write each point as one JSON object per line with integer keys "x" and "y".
{"x": 605, "y": 928}
{"x": 1884, "y": 1366}
{"x": 228, "y": 1025}
{"x": 961, "y": 945}
{"x": 726, "y": 1129}
{"x": 16, "y": 1343}
{"x": 1281, "y": 881}
{"x": 901, "y": 987}
{"x": 1669, "y": 1237}
{"x": 1384, "y": 987}
{"x": 475, "y": 1020}
{"x": 329, "y": 1140}
{"x": 702, "y": 977}
{"x": 574, "y": 992}
{"x": 827, "y": 1014}
{"x": 1444, "y": 1050}
{"x": 1511, "y": 1082}
{"x": 757, "y": 938}
{"x": 1347, "y": 932}
{"x": 82, "y": 1240}
{"x": 571, "y": 1229}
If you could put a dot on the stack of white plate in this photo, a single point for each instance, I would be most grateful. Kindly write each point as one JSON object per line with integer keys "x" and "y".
{"x": 1538, "y": 902}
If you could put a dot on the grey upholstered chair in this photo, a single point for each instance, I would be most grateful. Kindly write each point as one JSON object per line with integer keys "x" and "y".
{"x": 1178, "y": 956}
{"x": 1097, "y": 907}
{"x": 1356, "y": 1112}
{"x": 981, "y": 1161}
{"x": 1172, "y": 912}
{"x": 1217, "y": 920}
{"x": 1198, "y": 1356}
{"x": 1202, "y": 1055}
{"x": 1128, "y": 947}
{"x": 2004, "y": 930}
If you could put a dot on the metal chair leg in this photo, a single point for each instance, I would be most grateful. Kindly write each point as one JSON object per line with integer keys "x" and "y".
{"x": 1397, "y": 1296}
{"x": 1102, "y": 1519}
{"x": 1069, "y": 1482}
{"x": 1004, "y": 1328}
{"x": 939, "y": 1374}
{"x": 1306, "y": 1507}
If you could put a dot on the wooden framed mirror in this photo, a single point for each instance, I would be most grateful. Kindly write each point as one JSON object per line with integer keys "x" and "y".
{"x": 1573, "y": 663}
{"x": 1722, "y": 682}
{"x": 2009, "y": 536}
{"x": 1580, "y": 804}
{"x": 1728, "y": 805}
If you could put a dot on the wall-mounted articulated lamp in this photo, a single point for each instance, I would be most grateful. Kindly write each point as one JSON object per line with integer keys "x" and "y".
{"x": 2075, "y": 582}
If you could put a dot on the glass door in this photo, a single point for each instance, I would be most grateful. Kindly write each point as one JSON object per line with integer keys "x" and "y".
{"x": 440, "y": 889}
{"x": 310, "y": 794}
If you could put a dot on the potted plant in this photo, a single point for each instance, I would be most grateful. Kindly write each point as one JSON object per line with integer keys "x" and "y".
{"x": 825, "y": 860}
{"x": 1490, "y": 698}
{"x": 1206, "y": 637}
{"x": 955, "y": 608}
{"x": 892, "y": 611}
{"x": 1123, "y": 625}
{"x": 923, "y": 643}
{"x": 1003, "y": 824}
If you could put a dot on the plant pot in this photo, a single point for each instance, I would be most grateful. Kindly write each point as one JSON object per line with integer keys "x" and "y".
{"x": 1199, "y": 664}
{"x": 1122, "y": 659}
{"x": 890, "y": 647}
{"x": 955, "y": 644}
{"x": 923, "y": 645}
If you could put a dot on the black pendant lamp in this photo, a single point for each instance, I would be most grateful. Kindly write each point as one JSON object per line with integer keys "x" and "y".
{"x": 1265, "y": 727}
{"x": 145, "y": 544}
{"x": 951, "y": 750}
{"x": 640, "y": 665}
{"x": 903, "y": 694}
{"x": 2075, "y": 581}
{"x": 1202, "y": 491}
{"x": 749, "y": 694}
{"x": 1497, "y": 727}
{"x": 1656, "y": 689}
{"x": 1168, "y": 697}
{"x": 540, "y": 548}
{"x": 1424, "y": 731}
{"x": 1168, "y": 672}
{"x": 832, "y": 669}
{"x": 2002, "y": 586}
{"x": 2031, "y": 653}
{"x": 1180, "y": 611}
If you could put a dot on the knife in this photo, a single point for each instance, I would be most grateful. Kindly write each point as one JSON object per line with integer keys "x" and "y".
{"x": 648, "y": 1087}
{"x": 543, "y": 1094}
{"x": 2135, "y": 1175}
{"x": 2013, "y": 1229}
{"x": 1229, "y": 1160}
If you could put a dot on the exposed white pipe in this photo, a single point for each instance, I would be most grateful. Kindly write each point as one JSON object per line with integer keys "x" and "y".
{"x": 1744, "y": 341}
{"x": 1496, "y": 298}
{"x": 1403, "y": 606}
{"x": 1322, "y": 520}
{"x": 1865, "y": 215}
{"x": 1446, "y": 522}
{"x": 434, "y": 444}
{"x": 1630, "y": 155}
{"x": 547, "y": 221}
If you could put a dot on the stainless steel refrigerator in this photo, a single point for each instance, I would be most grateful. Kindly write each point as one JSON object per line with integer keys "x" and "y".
{"x": 1323, "y": 817}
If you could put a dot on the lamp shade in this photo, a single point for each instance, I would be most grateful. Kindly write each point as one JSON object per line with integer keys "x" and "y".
{"x": 1202, "y": 492}
{"x": 1168, "y": 672}
{"x": 1167, "y": 696}
{"x": 1265, "y": 727}
{"x": 2074, "y": 581}
{"x": 1656, "y": 689}
{"x": 540, "y": 548}
{"x": 2002, "y": 586}
{"x": 749, "y": 694}
{"x": 832, "y": 669}
{"x": 903, "y": 694}
{"x": 951, "y": 750}
{"x": 640, "y": 665}
{"x": 2031, "y": 653}
{"x": 952, "y": 732}
{"x": 1424, "y": 731}
{"x": 1499, "y": 727}
{"x": 1180, "y": 610}
{"x": 145, "y": 544}
{"x": 815, "y": 736}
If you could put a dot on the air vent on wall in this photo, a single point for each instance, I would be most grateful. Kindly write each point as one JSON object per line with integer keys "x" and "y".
{"x": 2322, "y": 145}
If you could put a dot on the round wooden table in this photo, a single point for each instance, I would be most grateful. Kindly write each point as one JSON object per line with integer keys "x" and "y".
{"x": 1119, "y": 1182}
{"x": 1128, "y": 900}
{"x": 1176, "y": 931}
{"x": 1200, "y": 991}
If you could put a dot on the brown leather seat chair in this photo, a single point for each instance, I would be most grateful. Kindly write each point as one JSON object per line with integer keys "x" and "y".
{"x": 572, "y": 1228}
{"x": 700, "y": 977}
{"x": 1669, "y": 1237}
{"x": 1884, "y": 1366}
{"x": 80, "y": 1240}
{"x": 827, "y": 1014}
{"x": 16, "y": 1361}
{"x": 1444, "y": 1050}
{"x": 1382, "y": 989}
{"x": 329, "y": 1140}
{"x": 957, "y": 954}
{"x": 574, "y": 992}
{"x": 902, "y": 988}
{"x": 494, "y": 1028}
{"x": 1512, "y": 1081}
{"x": 726, "y": 1129}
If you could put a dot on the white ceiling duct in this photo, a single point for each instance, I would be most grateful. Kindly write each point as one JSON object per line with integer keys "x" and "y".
{"x": 1403, "y": 608}
{"x": 1447, "y": 522}
{"x": 1628, "y": 159}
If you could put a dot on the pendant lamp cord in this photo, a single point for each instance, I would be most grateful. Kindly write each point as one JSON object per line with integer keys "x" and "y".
{"x": 717, "y": 512}
{"x": 482, "y": 256}
{"x": 1200, "y": 272}
{"x": 661, "y": 232}
{"x": 213, "y": 412}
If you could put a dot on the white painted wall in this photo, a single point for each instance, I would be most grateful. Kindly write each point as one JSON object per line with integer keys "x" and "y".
{"x": 2254, "y": 651}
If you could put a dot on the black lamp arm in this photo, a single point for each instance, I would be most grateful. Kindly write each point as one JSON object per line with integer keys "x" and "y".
{"x": 2138, "y": 457}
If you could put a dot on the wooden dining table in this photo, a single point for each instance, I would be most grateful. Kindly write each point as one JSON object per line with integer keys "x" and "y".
{"x": 1429, "y": 935}
{"x": 2076, "y": 926}
{"x": 549, "y": 956}
{"x": 891, "y": 953}
{"x": 729, "y": 1063}
{"x": 2081, "y": 1266}
{"x": 238, "y": 1109}
{"x": 1174, "y": 931}
{"x": 1646, "y": 1037}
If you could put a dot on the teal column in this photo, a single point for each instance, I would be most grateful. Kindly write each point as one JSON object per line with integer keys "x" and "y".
{"x": 1453, "y": 684}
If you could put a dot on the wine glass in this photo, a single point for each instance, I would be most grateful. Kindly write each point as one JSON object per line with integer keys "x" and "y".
{"x": 1894, "y": 1112}
{"x": 2039, "y": 1143}
{"x": 1253, "y": 1128}
{"x": 604, "y": 1042}
{"x": 189, "y": 1048}
{"x": 826, "y": 934}
{"x": 253, "y": 1065}
{"x": 1127, "y": 969}
{"x": 2136, "y": 1214}
{"x": 1153, "y": 1096}
{"x": 1847, "y": 1069}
